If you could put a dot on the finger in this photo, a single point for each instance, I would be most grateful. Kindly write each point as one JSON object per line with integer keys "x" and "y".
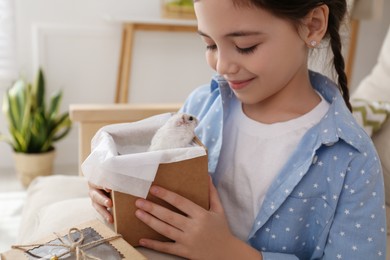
{"x": 215, "y": 201}
{"x": 100, "y": 197}
{"x": 168, "y": 216}
{"x": 94, "y": 186}
{"x": 165, "y": 247}
{"x": 159, "y": 226}
{"x": 179, "y": 202}
{"x": 103, "y": 212}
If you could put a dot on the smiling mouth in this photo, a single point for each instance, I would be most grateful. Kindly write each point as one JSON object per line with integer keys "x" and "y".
{"x": 239, "y": 84}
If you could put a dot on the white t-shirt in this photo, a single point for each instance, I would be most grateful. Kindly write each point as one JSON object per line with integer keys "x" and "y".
{"x": 252, "y": 155}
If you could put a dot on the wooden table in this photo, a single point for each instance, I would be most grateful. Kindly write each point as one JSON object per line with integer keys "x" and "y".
{"x": 130, "y": 26}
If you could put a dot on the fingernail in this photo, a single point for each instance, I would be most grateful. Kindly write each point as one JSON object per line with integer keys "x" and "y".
{"x": 142, "y": 242}
{"x": 106, "y": 203}
{"x": 139, "y": 213}
{"x": 139, "y": 203}
{"x": 154, "y": 190}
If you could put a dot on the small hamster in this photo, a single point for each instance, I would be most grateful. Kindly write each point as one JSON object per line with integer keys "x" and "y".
{"x": 177, "y": 132}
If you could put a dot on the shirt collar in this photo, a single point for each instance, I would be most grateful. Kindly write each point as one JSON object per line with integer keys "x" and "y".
{"x": 338, "y": 121}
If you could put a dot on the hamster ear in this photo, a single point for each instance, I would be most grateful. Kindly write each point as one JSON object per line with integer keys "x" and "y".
{"x": 180, "y": 120}
{"x": 315, "y": 25}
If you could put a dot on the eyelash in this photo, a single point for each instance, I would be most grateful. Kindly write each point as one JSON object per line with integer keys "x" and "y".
{"x": 211, "y": 47}
{"x": 248, "y": 50}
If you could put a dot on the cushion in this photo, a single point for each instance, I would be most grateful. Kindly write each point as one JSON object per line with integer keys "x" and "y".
{"x": 382, "y": 144}
{"x": 45, "y": 191}
{"x": 58, "y": 216}
{"x": 370, "y": 114}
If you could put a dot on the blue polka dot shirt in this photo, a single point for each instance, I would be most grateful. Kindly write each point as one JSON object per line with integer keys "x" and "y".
{"x": 327, "y": 202}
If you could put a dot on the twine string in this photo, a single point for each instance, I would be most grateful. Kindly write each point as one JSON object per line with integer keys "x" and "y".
{"x": 75, "y": 246}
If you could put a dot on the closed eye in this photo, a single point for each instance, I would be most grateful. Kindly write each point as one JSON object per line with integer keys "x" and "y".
{"x": 211, "y": 47}
{"x": 248, "y": 50}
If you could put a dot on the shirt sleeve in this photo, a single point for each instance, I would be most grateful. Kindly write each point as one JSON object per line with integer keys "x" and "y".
{"x": 358, "y": 230}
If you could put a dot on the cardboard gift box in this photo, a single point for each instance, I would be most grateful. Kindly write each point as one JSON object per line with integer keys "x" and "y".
{"x": 188, "y": 178}
{"x": 89, "y": 239}
{"x": 120, "y": 161}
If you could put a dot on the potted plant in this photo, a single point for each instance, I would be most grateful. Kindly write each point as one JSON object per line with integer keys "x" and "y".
{"x": 34, "y": 127}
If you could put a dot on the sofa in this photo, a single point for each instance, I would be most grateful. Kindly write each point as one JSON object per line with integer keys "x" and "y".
{"x": 59, "y": 202}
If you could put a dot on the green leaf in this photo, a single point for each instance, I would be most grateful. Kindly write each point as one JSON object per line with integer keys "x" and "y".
{"x": 32, "y": 128}
{"x": 54, "y": 107}
{"x": 16, "y": 99}
{"x": 64, "y": 125}
{"x": 39, "y": 91}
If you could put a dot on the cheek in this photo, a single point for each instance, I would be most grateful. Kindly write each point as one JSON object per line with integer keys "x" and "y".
{"x": 211, "y": 60}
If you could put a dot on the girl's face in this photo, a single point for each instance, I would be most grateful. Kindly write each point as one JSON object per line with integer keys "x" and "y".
{"x": 261, "y": 56}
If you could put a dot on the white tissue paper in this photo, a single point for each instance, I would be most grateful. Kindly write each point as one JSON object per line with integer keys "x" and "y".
{"x": 119, "y": 159}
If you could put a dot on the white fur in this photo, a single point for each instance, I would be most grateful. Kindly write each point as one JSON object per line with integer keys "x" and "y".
{"x": 177, "y": 132}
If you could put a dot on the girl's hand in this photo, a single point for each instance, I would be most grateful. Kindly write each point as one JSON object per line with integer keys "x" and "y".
{"x": 202, "y": 234}
{"x": 101, "y": 201}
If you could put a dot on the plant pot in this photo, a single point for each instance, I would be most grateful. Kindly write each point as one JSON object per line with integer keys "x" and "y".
{"x": 29, "y": 166}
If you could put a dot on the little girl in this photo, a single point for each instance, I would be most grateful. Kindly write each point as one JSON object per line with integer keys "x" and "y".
{"x": 295, "y": 176}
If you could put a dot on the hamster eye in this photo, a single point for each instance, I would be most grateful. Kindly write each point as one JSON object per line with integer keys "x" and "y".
{"x": 191, "y": 118}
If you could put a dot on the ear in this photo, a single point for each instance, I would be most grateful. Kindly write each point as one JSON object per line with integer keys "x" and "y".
{"x": 315, "y": 25}
{"x": 180, "y": 121}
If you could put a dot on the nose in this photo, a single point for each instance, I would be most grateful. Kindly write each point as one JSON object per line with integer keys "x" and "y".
{"x": 226, "y": 63}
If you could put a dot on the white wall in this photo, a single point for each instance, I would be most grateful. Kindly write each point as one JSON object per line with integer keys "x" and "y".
{"x": 79, "y": 51}
{"x": 78, "y": 48}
